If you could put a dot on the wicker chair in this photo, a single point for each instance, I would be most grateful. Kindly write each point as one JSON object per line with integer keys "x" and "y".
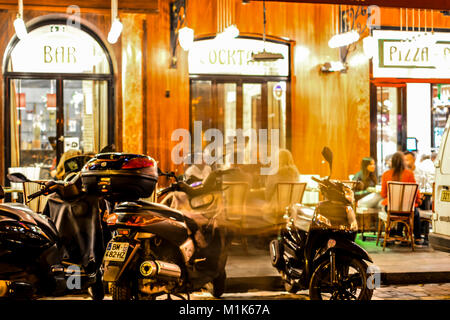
{"x": 235, "y": 212}
{"x": 400, "y": 209}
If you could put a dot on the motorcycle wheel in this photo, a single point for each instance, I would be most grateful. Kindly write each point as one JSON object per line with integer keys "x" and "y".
{"x": 121, "y": 292}
{"x": 352, "y": 281}
{"x": 290, "y": 286}
{"x": 218, "y": 285}
{"x": 97, "y": 290}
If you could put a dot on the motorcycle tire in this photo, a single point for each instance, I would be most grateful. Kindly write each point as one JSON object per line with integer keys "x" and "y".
{"x": 290, "y": 286}
{"x": 359, "y": 265}
{"x": 218, "y": 285}
{"x": 120, "y": 292}
{"x": 97, "y": 290}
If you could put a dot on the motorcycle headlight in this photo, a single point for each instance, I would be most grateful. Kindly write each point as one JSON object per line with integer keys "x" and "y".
{"x": 320, "y": 219}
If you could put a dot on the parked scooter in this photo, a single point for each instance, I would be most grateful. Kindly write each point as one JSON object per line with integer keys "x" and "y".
{"x": 316, "y": 249}
{"x": 36, "y": 259}
{"x": 156, "y": 249}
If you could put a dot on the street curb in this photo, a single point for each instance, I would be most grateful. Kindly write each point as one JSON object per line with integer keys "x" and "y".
{"x": 275, "y": 283}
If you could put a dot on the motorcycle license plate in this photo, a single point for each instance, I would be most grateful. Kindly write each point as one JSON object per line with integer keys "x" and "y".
{"x": 116, "y": 251}
{"x": 445, "y": 195}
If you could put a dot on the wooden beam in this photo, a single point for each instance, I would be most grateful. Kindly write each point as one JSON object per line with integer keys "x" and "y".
{"x": 126, "y": 6}
{"x": 419, "y": 4}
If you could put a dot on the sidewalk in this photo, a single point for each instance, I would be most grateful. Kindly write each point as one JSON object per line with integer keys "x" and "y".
{"x": 398, "y": 265}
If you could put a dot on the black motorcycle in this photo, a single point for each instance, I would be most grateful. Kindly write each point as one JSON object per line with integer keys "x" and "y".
{"x": 317, "y": 250}
{"x": 158, "y": 250}
{"x": 55, "y": 253}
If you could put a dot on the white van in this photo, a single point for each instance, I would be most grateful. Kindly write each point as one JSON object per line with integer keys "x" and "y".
{"x": 440, "y": 237}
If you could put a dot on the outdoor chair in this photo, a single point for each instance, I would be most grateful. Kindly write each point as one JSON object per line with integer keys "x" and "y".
{"x": 311, "y": 195}
{"x": 235, "y": 210}
{"x": 286, "y": 194}
{"x": 400, "y": 209}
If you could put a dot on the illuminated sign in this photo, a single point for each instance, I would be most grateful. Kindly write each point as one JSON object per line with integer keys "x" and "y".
{"x": 59, "y": 49}
{"x": 411, "y": 55}
{"x": 235, "y": 57}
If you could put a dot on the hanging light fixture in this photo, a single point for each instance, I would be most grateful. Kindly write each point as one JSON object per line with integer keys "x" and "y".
{"x": 19, "y": 24}
{"x": 116, "y": 26}
{"x": 186, "y": 38}
{"x": 343, "y": 39}
{"x": 264, "y": 55}
{"x": 186, "y": 34}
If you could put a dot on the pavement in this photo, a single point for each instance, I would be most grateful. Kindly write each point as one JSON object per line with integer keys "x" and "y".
{"x": 398, "y": 265}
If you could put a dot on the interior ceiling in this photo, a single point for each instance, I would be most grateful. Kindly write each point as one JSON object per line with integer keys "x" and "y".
{"x": 419, "y": 4}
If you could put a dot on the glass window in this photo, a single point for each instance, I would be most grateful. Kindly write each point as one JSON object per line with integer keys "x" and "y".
{"x": 33, "y": 123}
{"x": 86, "y": 115}
{"x": 440, "y": 111}
{"x": 387, "y": 126}
{"x": 277, "y": 109}
{"x": 58, "y": 49}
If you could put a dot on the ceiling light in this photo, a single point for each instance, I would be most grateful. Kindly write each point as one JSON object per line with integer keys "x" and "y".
{"x": 116, "y": 30}
{"x": 343, "y": 39}
{"x": 186, "y": 38}
{"x": 19, "y": 24}
{"x": 116, "y": 26}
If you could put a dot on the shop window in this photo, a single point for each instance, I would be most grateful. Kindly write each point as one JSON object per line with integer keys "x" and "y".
{"x": 390, "y": 108}
{"x": 232, "y": 91}
{"x": 58, "y": 98}
{"x": 440, "y": 110}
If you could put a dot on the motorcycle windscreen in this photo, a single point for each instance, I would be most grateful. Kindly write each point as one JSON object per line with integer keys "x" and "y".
{"x": 337, "y": 216}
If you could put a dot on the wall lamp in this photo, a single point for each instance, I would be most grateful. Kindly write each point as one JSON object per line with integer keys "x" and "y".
{"x": 19, "y": 24}
{"x": 184, "y": 35}
{"x": 334, "y": 66}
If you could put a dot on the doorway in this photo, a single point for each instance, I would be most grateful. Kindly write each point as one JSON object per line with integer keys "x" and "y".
{"x": 56, "y": 100}
{"x": 241, "y": 103}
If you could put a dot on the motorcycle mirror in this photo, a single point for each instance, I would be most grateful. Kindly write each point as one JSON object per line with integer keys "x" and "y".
{"x": 2, "y": 193}
{"x": 328, "y": 155}
{"x": 17, "y": 177}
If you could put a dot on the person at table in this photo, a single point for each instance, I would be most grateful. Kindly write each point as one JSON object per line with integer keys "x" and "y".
{"x": 400, "y": 173}
{"x": 366, "y": 178}
{"x": 287, "y": 172}
{"x": 410, "y": 163}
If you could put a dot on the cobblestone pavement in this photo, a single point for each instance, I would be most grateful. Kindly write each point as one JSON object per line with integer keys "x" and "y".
{"x": 410, "y": 292}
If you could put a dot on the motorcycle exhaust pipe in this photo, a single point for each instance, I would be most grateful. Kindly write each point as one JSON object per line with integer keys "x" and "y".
{"x": 160, "y": 269}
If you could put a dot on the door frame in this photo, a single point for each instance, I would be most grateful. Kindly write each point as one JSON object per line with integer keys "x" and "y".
{"x": 402, "y": 110}
{"x": 59, "y": 77}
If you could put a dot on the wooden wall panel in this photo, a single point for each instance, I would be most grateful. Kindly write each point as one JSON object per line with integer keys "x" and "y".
{"x": 327, "y": 109}
{"x": 167, "y": 90}
{"x": 132, "y": 81}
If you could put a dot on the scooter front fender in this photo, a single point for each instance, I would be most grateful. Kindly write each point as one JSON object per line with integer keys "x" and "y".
{"x": 351, "y": 249}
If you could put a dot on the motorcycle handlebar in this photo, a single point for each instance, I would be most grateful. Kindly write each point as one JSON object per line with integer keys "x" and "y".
{"x": 50, "y": 187}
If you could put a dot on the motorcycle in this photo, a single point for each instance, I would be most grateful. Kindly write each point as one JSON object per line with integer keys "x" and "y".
{"x": 316, "y": 249}
{"x": 38, "y": 256}
{"x": 157, "y": 250}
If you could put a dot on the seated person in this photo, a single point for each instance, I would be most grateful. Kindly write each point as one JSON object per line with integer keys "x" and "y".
{"x": 261, "y": 200}
{"x": 398, "y": 172}
{"x": 365, "y": 190}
